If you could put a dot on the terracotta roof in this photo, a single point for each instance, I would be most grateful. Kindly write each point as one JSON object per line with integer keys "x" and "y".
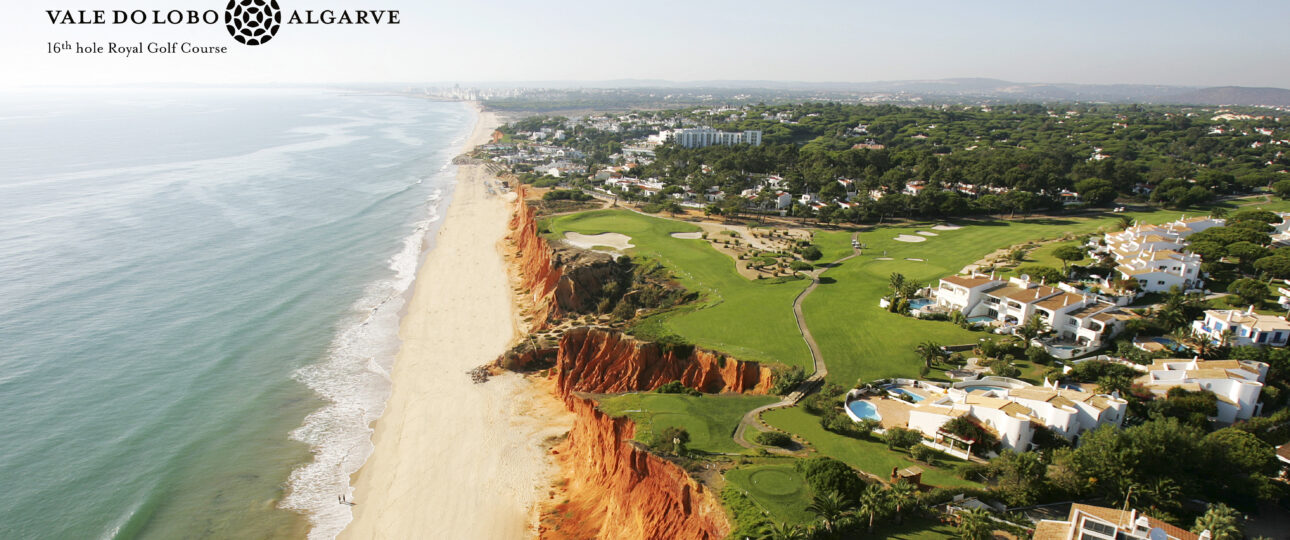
{"x": 1125, "y": 519}
{"x": 1025, "y": 296}
{"x": 969, "y": 281}
{"x": 1060, "y": 301}
{"x": 1090, "y": 309}
{"x": 1051, "y": 530}
{"x": 1283, "y": 452}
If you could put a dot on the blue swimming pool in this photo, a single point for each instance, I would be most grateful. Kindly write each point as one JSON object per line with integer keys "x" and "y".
{"x": 1170, "y": 344}
{"x": 864, "y": 409}
{"x": 983, "y": 387}
{"x": 917, "y": 398}
{"x": 919, "y": 303}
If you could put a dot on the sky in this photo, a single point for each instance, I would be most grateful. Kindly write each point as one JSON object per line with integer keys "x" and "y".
{"x": 472, "y": 41}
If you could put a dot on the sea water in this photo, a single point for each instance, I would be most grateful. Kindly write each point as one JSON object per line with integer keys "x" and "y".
{"x": 199, "y": 298}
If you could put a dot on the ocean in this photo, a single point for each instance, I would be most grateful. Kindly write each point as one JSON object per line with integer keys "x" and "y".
{"x": 199, "y": 299}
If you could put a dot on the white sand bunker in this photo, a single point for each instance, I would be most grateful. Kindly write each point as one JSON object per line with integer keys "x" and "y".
{"x": 919, "y": 260}
{"x": 947, "y": 227}
{"x": 911, "y": 238}
{"x": 882, "y": 258}
{"x": 610, "y": 240}
{"x": 926, "y": 233}
{"x": 687, "y": 235}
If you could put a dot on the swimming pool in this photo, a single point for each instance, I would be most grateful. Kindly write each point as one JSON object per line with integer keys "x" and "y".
{"x": 864, "y": 409}
{"x": 983, "y": 387}
{"x": 1170, "y": 344}
{"x": 919, "y": 303}
{"x": 917, "y": 398}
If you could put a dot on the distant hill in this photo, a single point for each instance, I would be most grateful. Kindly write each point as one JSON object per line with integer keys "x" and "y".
{"x": 1233, "y": 95}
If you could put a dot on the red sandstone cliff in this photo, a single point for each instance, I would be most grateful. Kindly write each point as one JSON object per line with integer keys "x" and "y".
{"x": 538, "y": 276}
{"x": 617, "y": 490}
{"x": 600, "y": 361}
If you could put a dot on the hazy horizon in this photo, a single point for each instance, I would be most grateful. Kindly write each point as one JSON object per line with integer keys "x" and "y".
{"x": 507, "y": 42}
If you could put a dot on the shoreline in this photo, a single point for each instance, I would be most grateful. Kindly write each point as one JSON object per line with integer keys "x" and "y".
{"x": 452, "y": 458}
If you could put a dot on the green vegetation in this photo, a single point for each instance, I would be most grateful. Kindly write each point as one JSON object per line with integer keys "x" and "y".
{"x": 709, "y": 420}
{"x": 778, "y": 489}
{"x": 748, "y": 319}
{"x": 867, "y": 455}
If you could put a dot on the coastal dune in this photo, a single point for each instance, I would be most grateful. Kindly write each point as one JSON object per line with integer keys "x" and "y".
{"x": 454, "y": 459}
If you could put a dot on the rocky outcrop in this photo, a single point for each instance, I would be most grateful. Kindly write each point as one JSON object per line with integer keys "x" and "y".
{"x": 617, "y": 490}
{"x": 600, "y": 360}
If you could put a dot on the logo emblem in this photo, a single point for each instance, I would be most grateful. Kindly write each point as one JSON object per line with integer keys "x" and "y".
{"x": 252, "y": 22}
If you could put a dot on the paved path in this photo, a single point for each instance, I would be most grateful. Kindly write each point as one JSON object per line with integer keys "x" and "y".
{"x": 812, "y": 383}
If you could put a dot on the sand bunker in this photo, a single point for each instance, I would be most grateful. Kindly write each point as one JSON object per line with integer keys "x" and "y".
{"x": 919, "y": 260}
{"x": 910, "y": 238}
{"x": 610, "y": 240}
{"x": 687, "y": 235}
{"x": 926, "y": 233}
{"x": 947, "y": 227}
{"x": 883, "y": 258}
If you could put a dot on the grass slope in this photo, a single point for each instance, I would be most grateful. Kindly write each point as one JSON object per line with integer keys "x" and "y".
{"x": 710, "y": 420}
{"x": 867, "y": 455}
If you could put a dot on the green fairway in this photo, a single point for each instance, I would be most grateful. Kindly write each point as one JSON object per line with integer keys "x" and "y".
{"x": 861, "y": 341}
{"x": 777, "y": 489}
{"x": 710, "y": 420}
{"x": 867, "y": 455}
{"x": 751, "y": 320}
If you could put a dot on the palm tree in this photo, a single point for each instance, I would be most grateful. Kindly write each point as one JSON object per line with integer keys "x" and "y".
{"x": 902, "y": 495}
{"x": 831, "y": 507}
{"x": 1221, "y": 521}
{"x": 976, "y": 524}
{"x": 1158, "y": 494}
{"x": 782, "y": 531}
{"x": 872, "y": 501}
{"x": 1124, "y": 222}
{"x": 930, "y": 352}
{"x": 1033, "y": 328}
{"x": 896, "y": 281}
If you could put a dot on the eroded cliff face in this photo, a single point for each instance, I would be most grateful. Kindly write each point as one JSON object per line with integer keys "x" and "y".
{"x": 619, "y": 491}
{"x": 599, "y": 360}
{"x": 534, "y": 263}
{"x": 557, "y": 281}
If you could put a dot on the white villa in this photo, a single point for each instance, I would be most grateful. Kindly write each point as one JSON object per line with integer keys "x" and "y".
{"x": 1246, "y": 328}
{"x": 1012, "y": 413}
{"x": 1083, "y": 320}
{"x": 1086, "y": 522}
{"x": 1236, "y": 383}
{"x": 1155, "y": 255}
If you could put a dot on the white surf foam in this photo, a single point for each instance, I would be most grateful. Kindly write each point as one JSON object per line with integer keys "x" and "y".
{"x": 355, "y": 381}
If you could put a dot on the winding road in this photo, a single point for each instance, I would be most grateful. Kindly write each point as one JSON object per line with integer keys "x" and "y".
{"x": 812, "y": 383}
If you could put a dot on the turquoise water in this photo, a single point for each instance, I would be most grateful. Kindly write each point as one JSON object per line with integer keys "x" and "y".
{"x": 201, "y": 292}
{"x": 864, "y": 409}
{"x": 983, "y": 387}
{"x": 917, "y": 398}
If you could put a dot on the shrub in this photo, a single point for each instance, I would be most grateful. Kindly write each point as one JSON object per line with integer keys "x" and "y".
{"x": 801, "y": 266}
{"x": 899, "y": 437}
{"x": 775, "y": 438}
{"x": 671, "y": 440}
{"x": 827, "y": 474}
{"x": 925, "y": 454}
{"x": 565, "y": 195}
{"x": 786, "y": 380}
{"x": 811, "y": 253}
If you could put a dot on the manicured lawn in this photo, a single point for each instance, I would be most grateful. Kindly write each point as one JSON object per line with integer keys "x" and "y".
{"x": 748, "y": 319}
{"x": 710, "y": 420}
{"x": 867, "y": 455}
{"x": 915, "y": 530}
{"x": 778, "y": 489}
{"x": 861, "y": 341}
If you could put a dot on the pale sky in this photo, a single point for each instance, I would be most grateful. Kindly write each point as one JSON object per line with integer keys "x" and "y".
{"x": 1140, "y": 42}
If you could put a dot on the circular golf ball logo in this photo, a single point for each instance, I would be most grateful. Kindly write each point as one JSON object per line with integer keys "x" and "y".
{"x": 252, "y": 22}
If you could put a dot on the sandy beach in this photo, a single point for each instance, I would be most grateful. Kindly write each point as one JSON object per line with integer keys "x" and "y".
{"x": 454, "y": 459}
